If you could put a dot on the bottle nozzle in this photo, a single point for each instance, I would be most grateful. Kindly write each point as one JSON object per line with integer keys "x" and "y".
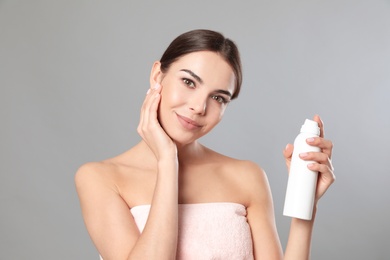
{"x": 310, "y": 126}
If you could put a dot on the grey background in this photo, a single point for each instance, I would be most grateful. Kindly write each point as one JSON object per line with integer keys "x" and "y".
{"x": 73, "y": 75}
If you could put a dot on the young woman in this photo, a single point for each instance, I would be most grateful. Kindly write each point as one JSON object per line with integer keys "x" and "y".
{"x": 170, "y": 197}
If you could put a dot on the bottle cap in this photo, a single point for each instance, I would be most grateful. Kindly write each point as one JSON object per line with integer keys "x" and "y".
{"x": 311, "y": 127}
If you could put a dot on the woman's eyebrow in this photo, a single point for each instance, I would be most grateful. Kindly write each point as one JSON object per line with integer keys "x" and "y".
{"x": 193, "y": 75}
{"x": 221, "y": 91}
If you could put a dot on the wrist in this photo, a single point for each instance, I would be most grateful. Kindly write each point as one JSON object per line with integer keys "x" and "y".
{"x": 169, "y": 152}
{"x": 307, "y": 223}
{"x": 167, "y": 163}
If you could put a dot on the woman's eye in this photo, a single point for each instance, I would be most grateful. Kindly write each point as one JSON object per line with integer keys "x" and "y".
{"x": 189, "y": 83}
{"x": 219, "y": 99}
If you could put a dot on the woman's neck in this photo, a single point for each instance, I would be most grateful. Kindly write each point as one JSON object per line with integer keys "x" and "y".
{"x": 186, "y": 153}
{"x": 190, "y": 152}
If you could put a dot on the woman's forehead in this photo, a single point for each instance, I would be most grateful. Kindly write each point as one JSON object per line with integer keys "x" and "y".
{"x": 210, "y": 66}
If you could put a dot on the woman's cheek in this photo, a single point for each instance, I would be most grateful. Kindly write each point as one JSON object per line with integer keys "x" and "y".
{"x": 175, "y": 97}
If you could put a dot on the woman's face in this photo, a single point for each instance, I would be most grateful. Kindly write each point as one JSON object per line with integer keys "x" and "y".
{"x": 196, "y": 90}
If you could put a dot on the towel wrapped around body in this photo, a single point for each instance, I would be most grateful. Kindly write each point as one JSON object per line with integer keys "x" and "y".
{"x": 208, "y": 230}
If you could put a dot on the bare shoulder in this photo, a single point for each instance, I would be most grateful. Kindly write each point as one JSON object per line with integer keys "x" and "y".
{"x": 245, "y": 178}
{"x": 103, "y": 204}
{"x": 251, "y": 179}
{"x": 123, "y": 176}
{"x": 93, "y": 173}
{"x": 244, "y": 171}
{"x": 92, "y": 168}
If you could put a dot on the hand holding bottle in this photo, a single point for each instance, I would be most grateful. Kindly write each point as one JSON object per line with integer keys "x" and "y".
{"x": 310, "y": 168}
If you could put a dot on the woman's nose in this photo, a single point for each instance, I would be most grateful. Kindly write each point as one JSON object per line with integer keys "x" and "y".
{"x": 198, "y": 106}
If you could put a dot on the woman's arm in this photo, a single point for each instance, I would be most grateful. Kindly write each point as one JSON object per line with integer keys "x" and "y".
{"x": 110, "y": 223}
{"x": 107, "y": 216}
{"x": 299, "y": 241}
{"x": 159, "y": 237}
{"x": 260, "y": 214}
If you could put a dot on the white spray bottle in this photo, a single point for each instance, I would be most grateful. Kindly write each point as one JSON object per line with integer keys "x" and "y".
{"x": 302, "y": 182}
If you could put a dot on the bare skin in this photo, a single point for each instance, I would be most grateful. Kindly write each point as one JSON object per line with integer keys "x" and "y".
{"x": 169, "y": 167}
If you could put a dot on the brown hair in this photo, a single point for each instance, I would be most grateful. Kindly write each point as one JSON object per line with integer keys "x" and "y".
{"x": 204, "y": 40}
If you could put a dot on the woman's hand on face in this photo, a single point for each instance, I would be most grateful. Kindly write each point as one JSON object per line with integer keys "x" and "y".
{"x": 149, "y": 127}
{"x": 323, "y": 163}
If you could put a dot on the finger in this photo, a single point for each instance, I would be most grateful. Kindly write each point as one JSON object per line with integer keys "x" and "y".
{"x": 153, "y": 105}
{"x": 287, "y": 153}
{"x": 150, "y": 94}
{"x": 151, "y": 90}
{"x": 320, "y": 167}
{"x": 153, "y": 108}
{"x": 152, "y": 87}
{"x": 326, "y": 178}
{"x": 149, "y": 114}
{"x": 288, "y": 150}
{"x": 320, "y": 125}
{"x": 314, "y": 156}
{"x": 325, "y": 145}
{"x": 144, "y": 113}
{"x": 320, "y": 158}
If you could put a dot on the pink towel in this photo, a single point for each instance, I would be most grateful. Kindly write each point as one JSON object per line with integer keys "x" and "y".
{"x": 208, "y": 230}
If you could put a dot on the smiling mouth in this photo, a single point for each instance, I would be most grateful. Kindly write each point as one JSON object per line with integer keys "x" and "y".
{"x": 188, "y": 123}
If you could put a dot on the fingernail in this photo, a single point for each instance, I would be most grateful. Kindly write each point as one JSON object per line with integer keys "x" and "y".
{"x": 156, "y": 86}
{"x": 310, "y": 140}
{"x": 303, "y": 155}
{"x": 148, "y": 91}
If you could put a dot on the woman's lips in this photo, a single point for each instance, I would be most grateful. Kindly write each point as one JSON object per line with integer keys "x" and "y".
{"x": 188, "y": 123}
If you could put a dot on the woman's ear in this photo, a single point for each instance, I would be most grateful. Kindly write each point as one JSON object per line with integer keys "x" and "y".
{"x": 156, "y": 74}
